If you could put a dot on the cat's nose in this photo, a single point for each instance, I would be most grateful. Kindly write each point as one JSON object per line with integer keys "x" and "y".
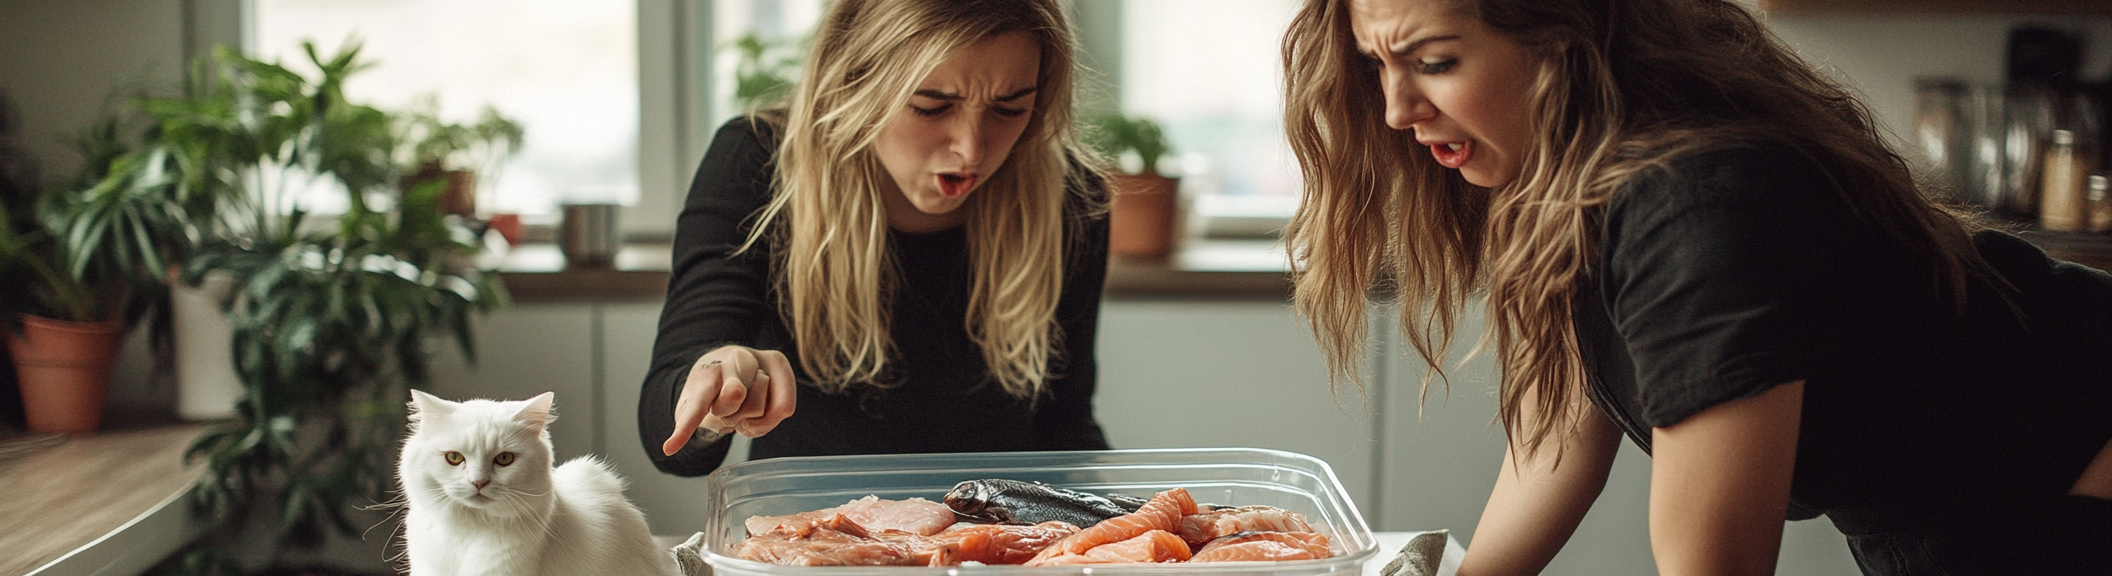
{"x": 479, "y": 483}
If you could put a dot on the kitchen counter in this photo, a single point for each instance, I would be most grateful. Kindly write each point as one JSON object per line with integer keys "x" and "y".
{"x": 106, "y": 503}
{"x": 1198, "y": 270}
{"x": 1210, "y": 269}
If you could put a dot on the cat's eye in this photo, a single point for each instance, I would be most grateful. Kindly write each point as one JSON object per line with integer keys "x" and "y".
{"x": 503, "y": 459}
{"x": 454, "y": 458}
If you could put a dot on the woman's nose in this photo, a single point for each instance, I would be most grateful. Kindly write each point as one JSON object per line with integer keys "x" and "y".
{"x": 965, "y": 140}
{"x": 1405, "y": 106}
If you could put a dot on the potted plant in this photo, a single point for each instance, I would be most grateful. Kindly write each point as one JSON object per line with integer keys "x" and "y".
{"x": 82, "y": 262}
{"x": 330, "y": 319}
{"x": 1143, "y": 203}
{"x": 453, "y": 153}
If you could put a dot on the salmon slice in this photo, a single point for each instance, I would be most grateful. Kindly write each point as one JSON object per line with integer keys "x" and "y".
{"x": 991, "y": 543}
{"x": 915, "y": 515}
{"x": 1155, "y": 546}
{"x": 1163, "y": 512}
{"x": 1202, "y": 527}
{"x": 835, "y": 542}
{"x": 1265, "y": 546}
{"x": 1256, "y": 551}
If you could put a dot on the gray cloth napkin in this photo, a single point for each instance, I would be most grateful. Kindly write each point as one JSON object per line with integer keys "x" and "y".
{"x": 690, "y": 556}
{"x": 1420, "y": 556}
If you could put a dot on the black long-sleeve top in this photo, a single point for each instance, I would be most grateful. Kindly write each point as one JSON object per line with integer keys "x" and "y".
{"x": 941, "y": 397}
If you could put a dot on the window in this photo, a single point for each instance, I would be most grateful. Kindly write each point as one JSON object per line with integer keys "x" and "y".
{"x": 1211, "y": 72}
{"x": 1215, "y": 81}
{"x": 785, "y": 25}
{"x": 567, "y": 70}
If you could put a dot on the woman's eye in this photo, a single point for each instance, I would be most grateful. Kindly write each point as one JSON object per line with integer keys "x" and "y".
{"x": 503, "y": 459}
{"x": 1008, "y": 112}
{"x": 1436, "y": 66}
{"x": 454, "y": 458}
{"x": 921, "y": 111}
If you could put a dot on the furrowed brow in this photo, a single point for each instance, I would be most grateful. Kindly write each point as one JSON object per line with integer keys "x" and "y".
{"x": 1018, "y": 95}
{"x": 937, "y": 95}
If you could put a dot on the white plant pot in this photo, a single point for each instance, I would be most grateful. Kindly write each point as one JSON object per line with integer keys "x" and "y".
{"x": 206, "y": 385}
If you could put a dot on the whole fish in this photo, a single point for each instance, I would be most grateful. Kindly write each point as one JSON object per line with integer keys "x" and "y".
{"x": 1000, "y": 501}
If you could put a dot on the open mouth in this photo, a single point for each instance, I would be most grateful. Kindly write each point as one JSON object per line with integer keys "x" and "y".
{"x": 955, "y": 184}
{"x": 1452, "y": 154}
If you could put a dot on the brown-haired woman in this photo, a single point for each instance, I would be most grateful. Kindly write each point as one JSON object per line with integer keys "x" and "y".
{"x": 904, "y": 258}
{"x": 1687, "y": 235}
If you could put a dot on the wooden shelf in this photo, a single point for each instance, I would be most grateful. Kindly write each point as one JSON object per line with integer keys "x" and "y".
{"x": 2051, "y": 7}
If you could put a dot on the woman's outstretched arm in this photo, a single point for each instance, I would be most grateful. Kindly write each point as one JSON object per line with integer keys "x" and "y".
{"x": 1538, "y": 502}
{"x": 1719, "y": 483}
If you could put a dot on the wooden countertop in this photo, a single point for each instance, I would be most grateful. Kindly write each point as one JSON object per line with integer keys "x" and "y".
{"x": 110, "y": 502}
{"x": 1211, "y": 269}
{"x": 1215, "y": 269}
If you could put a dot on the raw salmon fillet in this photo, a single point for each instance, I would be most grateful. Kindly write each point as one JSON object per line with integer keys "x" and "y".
{"x": 990, "y": 543}
{"x": 915, "y": 515}
{"x": 1151, "y": 547}
{"x": 1163, "y": 512}
{"x": 835, "y": 541}
{"x": 1265, "y": 547}
{"x": 1202, "y": 527}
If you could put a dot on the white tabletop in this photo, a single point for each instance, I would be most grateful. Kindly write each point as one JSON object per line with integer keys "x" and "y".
{"x": 1390, "y": 545}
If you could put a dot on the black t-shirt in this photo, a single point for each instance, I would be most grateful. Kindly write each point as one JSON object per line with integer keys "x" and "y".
{"x": 1729, "y": 272}
{"x": 941, "y": 397}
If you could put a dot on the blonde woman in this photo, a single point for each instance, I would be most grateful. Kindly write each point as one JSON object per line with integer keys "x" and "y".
{"x": 1687, "y": 236}
{"x": 905, "y": 258}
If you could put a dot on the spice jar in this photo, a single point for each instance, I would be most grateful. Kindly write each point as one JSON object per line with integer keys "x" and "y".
{"x": 2099, "y": 195}
{"x": 2063, "y": 206}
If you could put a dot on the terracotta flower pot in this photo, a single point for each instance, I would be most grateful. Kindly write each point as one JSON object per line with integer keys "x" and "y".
{"x": 460, "y": 196}
{"x": 1141, "y": 214}
{"x": 64, "y": 369}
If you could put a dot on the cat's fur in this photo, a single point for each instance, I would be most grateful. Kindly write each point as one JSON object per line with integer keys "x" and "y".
{"x": 530, "y": 519}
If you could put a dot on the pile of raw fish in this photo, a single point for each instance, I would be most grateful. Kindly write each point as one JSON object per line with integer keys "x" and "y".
{"x": 1013, "y": 522}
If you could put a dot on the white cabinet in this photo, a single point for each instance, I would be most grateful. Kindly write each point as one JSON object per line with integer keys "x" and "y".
{"x": 1439, "y": 468}
{"x": 1178, "y": 374}
{"x": 523, "y": 351}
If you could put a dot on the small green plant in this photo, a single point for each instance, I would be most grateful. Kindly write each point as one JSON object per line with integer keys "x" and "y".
{"x": 1115, "y": 135}
{"x": 764, "y": 70}
{"x": 438, "y": 145}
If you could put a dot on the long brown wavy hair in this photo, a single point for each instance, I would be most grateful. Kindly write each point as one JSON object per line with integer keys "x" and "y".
{"x": 1620, "y": 87}
{"x": 835, "y": 275}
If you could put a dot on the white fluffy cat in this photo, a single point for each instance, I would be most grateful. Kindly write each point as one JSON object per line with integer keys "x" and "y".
{"x": 484, "y": 498}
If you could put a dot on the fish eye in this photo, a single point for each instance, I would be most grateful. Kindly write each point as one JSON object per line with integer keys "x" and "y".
{"x": 454, "y": 458}
{"x": 503, "y": 459}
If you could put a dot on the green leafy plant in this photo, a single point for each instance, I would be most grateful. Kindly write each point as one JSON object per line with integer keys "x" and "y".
{"x": 436, "y": 145}
{"x": 764, "y": 70}
{"x": 332, "y": 320}
{"x": 1114, "y": 135}
{"x": 96, "y": 248}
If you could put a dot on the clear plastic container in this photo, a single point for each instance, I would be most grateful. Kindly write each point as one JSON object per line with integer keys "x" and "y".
{"x": 1229, "y": 476}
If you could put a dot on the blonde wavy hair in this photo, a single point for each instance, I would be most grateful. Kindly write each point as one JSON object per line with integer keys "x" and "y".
{"x": 1620, "y": 87}
{"x": 835, "y": 276}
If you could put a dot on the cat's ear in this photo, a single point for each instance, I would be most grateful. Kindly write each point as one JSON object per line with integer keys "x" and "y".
{"x": 424, "y": 406}
{"x": 538, "y": 411}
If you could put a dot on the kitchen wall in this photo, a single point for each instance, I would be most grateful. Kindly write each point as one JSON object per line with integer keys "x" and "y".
{"x": 1880, "y": 55}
